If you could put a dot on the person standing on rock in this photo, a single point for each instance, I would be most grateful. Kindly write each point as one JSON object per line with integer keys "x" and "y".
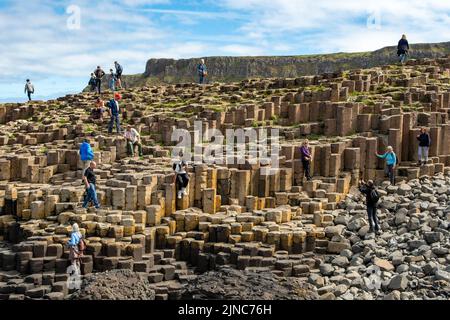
{"x": 403, "y": 49}
{"x": 114, "y": 113}
{"x": 133, "y": 139}
{"x": 391, "y": 162}
{"x": 29, "y": 89}
{"x": 202, "y": 71}
{"x": 424, "y": 145}
{"x": 119, "y": 71}
{"x": 86, "y": 155}
{"x": 305, "y": 154}
{"x": 90, "y": 180}
{"x": 74, "y": 246}
{"x": 99, "y": 74}
{"x": 112, "y": 80}
{"x": 372, "y": 197}
{"x": 93, "y": 82}
{"x": 181, "y": 177}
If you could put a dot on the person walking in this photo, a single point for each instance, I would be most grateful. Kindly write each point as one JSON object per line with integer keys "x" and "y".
{"x": 29, "y": 89}
{"x": 114, "y": 113}
{"x": 403, "y": 49}
{"x": 391, "y": 162}
{"x": 305, "y": 155}
{"x": 119, "y": 71}
{"x": 424, "y": 145}
{"x": 372, "y": 197}
{"x": 90, "y": 181}
{"x": 181, "y": 177}
{"x": 93, "y": 82}
{"x": 76, "y": 248}
{"x": 99, "y": 74}
{"x": 202, "y": 71}
{"x": 112, "y": 80}
{"x": 133, "y": 139}
{"x": 86, "y": 155}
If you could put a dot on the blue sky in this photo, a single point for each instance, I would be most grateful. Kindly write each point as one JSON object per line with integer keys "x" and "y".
{"x": 39, "y": 40}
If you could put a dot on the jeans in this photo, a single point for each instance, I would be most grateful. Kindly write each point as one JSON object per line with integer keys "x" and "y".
{"x": 131, "y": 147}
{"x": 182, "y": 180}
{"x": 91, "y": 195}
{"x": 114, "y": 119}
{"x": 306, "y": 166}
{"x": 373, "y": 219}
{"x": 99, "y": 85}
{"x": 112, "y": 85}
{"x": 29, "y": 95}
{"x": 423, "y": 153}
{"x": 201, "y": 78}
{"x": 403, "y": 57}
{"x": 390, "y": 173}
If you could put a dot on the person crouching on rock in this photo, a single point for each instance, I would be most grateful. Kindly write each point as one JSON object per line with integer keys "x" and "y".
{"x": 372, "y": 197}
{"x": 424, "y": 145}
{"x": 391, "y": 162}
{"x": 305, "y": 155}
{"x": 133, "y": 139}
{"x": 90, "y": 183}
{"x": 97, "y": 111}
{"x": 114, "y": 113}
{"x": 181, "y": 177}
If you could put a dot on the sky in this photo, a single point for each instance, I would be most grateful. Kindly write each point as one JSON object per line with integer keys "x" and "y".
{"x": 58, "y": 43}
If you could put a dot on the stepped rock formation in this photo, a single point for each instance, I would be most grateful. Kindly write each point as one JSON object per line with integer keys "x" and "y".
{"x": 234, "y": 215}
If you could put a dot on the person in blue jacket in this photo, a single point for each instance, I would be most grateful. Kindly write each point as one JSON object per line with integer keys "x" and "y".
{"x": 86, "y": 154}
{"x": 202, "y": 71}
{"x": 391, "y": 162}
{"x": 74, "y": 253}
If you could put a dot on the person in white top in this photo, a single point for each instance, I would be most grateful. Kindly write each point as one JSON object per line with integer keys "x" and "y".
{"x": 181, "y": 177}
{"x": 133, "y": 139}
{"x": 29, "y": 89}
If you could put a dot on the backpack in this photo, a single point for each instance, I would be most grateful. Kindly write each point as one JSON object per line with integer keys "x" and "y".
{"x": 374, "y": 195}
{"x": 81, "y": 245}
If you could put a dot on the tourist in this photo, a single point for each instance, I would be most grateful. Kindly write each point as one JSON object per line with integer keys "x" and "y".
{"x": 181, "y": 176}
{"x": 90, "y": 183}
{"x": 98, "y": 110}
{"x": 424, "y": 145}
{"x": 305, "y": 154}
{"x": 133, "y": 139}
{"x": 29, "y": 89}
{"x": 202, "y": 72}
{"x": 93, "y": 82}
{"x": 112, "y": 80}
{"x": 119, "y": 71}
{"x": 86, "y": 155}
{"x": 372, "y": 197}
{"x": 403, "y": 49}
{"x": 74, "y": 246}
{"x": 99, "y": 74}
{"x": 114, "y": 113}
{"x": 391, "y": 162}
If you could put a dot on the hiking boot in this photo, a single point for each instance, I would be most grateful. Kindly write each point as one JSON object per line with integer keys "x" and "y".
{"x": 179, "y": 194}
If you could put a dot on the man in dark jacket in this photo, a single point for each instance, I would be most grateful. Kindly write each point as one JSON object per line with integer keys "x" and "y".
{"x": 372, "y": 197}
{"x": 202, "y": 71}
{"x": 424, "y": 145}
{"x": 99, "y": 74}
{"x": 403, "y": 49}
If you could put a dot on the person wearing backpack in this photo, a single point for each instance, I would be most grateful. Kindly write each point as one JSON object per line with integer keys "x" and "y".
{"x": 99, "y": 74}
{"x": 76, "y": 246}
{"x": 86, "y": 155}
{"x": 372, "y": 198}
{"x": 29, "y": 89}
{"x": 114, "y": 112}
{"x": 119, "y": 71}
{"x": 391, "y": 162}
{"x": 93, "y": 82}
{"x": 424, "y": 145}
{"x": 403, "y": 49}
{"x": 202, "y": 71}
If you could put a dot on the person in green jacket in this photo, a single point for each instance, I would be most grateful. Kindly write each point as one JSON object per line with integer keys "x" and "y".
{"x": 391, "y": 162}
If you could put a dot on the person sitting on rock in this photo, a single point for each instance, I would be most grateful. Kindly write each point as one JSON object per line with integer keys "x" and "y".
{"x": 114, "y": 113}
{"x": 97, "y": 111}
{"x": 133, "y": 139}
{"x": 86, "y": 155}
{"x": 424, "y": 145}
{"x": 202, "y": 71}
{"x": 305, "y": 155}
{"x": 29, "y": 89}
{"x": 403, "y": 49}
{"x": 90, "y": 181}
{"x": 391, "y": 162}
{"x": 372, "y": 197}
{"x": 181, "y": 177}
